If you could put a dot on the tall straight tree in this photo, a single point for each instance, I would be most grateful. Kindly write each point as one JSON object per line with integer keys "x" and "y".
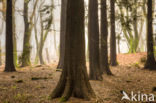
{"x": 14, "y": 34}
{"x": 74, "y": 79}
{"x": 93, "y": 37}
{"x": 113, "y": 60}
{"x": 26, "y": 44}
{"x": 104, "y": 39}
{"x": 9, "y": 62}
{"x": 62, "y": 33}
{"x": 150, "y": 63}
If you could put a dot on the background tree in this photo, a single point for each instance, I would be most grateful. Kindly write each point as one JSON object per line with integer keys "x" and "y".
{"x": 113, "y": 57}
{"x": 46, "y": 19}
{"x": 28, "y": 22}
{"x": 93, "y": 40}
{"x": 104, "y": 39}
{"x": 14, "y": 34}
{"x": 9, "y": 62}
{"x": 74, "y": 79}
{"x": 150, "y": 62}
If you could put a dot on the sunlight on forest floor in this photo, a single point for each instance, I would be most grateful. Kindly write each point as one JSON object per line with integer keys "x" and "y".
{"x": 34, "y": 84}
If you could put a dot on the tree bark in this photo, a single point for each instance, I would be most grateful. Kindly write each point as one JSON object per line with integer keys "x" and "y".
{"x": 27, "y": 34}
{"x": 26, "y": 43}
{"x": 93, "y": 40}
{"x": 104, "y": 39}
{"x": 62, "y": 34}
{"x": 9, "y": 62}
{"x": 1, "y": 30}
{"x": 14, "y": 35}
{"x": 74, "y": 80}
{"x": 150, "y": 62}
{"x": 113, "y": 61}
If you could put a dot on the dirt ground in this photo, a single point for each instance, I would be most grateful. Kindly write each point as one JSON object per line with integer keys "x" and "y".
{"x": 34, "y": 84}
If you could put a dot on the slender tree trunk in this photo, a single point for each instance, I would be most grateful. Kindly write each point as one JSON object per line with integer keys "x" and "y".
{"x": 0, "y": 54}
{"x": 104, "y": 36}
{"x": 74, "y": 80}
{"x": 62, "y": 34}
{"x": 1, "y": 30}
{"x": 41, "y": 41}
{"x": 27, "y": 34}
{"x": 113, "y": 58}
{"x": 150, "y": 62}
{"x": 26, "y": 43}
{"x": 14, "y": 34}
{"x": 93, "y": 38}
{"x": 47, "y": 54}
{"x": 36, "y": 39}
{"x": 9, "y": 61}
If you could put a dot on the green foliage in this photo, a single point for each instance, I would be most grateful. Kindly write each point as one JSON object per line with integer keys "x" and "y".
{"x": 129, "y": 15}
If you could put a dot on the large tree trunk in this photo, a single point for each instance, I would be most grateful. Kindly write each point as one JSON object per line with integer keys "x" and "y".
{"x": 74, "y": 80}
{"x": 62, "y": 34}
{"x": 104, "y": 39}
{"x": 27, "y": 35}
{"x": 93, "y": 40}
{"x": 113, "y": 60}
{"x": 150, "y": 63}
{"x": 9, "y": 62}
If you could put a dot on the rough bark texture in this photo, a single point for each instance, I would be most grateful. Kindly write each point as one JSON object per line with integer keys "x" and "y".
{"x": 104, "y": 39}
{"x": 93, "y": 39}
{"x": 150, "y": 63}
{"x": 62, "y": 34}
{"x": 9, "y": 61}
{"x": 74, "y": 80}
{"x": 113, "y": 60}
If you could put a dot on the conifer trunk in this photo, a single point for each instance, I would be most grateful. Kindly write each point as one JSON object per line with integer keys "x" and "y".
{"x": 9, "y": 61}
{"x": 150, "y": 62}
{"x": 104, "y": 39}
{"x": 113, "y": 61}
{"x": 74, "y": 79}
{"x": 93, "y": 40}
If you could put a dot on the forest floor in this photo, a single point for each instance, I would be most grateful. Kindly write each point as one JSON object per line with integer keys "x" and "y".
{"x": 34, "y": 84}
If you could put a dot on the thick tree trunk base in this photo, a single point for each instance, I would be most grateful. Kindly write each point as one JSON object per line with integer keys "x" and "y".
{"x": 150, "y": 65}
{"x": 78, "y": 87}
{"x": 114, "y": 64}
{"x": 60, "y": 65}
{"x": 95, "y": 74}
{"x": 10, "y": 69}
{"x": 107, "y": 71}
